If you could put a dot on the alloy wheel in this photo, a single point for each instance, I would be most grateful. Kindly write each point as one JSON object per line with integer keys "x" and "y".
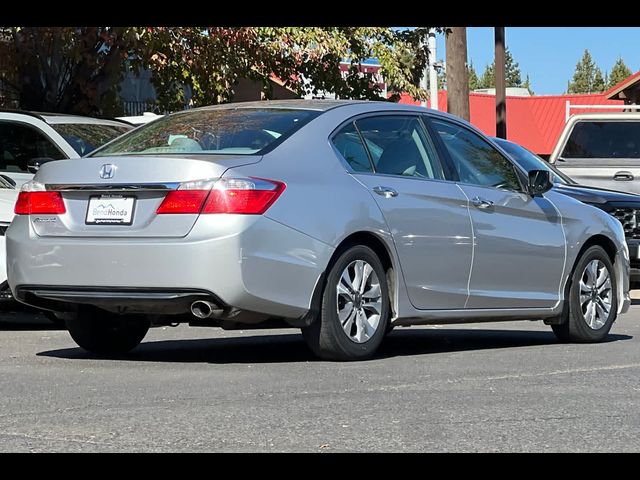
{"x": 359, "y": 301}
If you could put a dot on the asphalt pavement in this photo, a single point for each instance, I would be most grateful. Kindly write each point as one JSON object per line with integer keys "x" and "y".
{"x": 492, "y": 387}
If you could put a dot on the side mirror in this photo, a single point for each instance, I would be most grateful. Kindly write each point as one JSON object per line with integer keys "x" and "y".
{"x": 539, "y": 182}
{"x": 8, "y": 179}
{"x": 34, "y": 164}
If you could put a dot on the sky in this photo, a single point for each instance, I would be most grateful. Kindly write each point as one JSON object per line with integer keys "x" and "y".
{"x": 549, "y": 54}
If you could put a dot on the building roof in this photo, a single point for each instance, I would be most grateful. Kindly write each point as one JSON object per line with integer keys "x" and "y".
{"x": 534, "y": 122}
{"x": 615, "y": 91}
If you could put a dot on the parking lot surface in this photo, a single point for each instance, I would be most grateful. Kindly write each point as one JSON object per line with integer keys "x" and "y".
{"x": 505, "y": 387}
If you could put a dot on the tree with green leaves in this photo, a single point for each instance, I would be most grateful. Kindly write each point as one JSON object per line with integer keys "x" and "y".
{"x": 587, "y": 77}
{"x": 512, "y": 73}
{"x": 78, "y": 69}
{"x": 619, "y": 72}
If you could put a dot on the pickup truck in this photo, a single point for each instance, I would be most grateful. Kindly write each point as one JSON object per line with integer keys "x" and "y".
{"x": 601, "y": 150}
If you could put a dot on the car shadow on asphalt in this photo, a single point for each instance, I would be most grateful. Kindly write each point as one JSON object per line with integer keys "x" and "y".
{"x": 292, "y": 348}
{"x": 22, "y": 322}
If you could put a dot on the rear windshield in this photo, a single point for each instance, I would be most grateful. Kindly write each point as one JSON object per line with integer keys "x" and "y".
{"x": 243, "y": 131}
{"x": 603, "y": 140}
{"x": 86, "y": 137}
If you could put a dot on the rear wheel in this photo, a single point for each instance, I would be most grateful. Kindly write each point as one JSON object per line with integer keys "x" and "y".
{"x": 355, "y": 308}
{"x": 102, "y": 332}
{"x": 593, "y": 303}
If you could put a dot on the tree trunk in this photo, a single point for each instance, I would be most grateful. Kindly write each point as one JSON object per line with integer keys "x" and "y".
{"x": 457, "y": 74}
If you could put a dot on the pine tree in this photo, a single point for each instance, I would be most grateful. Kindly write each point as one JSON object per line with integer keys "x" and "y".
{"x": 587, "y": 77}
{"x": 527, "y": 85}
{"x": 618, "y": 73}
{"x": 511, "y": 72}
{"x": 473, "y": 78}
{"x": 487, "y": 80}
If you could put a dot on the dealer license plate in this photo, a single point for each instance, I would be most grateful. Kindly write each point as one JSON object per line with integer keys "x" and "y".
{"x": 110, "y": 210}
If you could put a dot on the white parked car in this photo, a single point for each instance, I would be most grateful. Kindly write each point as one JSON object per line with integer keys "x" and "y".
{"x": 29, "y": 139}
{"x": 8, "y": 196}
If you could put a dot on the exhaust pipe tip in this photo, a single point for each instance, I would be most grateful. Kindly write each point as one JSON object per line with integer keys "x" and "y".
{"x": 202, "y": 309}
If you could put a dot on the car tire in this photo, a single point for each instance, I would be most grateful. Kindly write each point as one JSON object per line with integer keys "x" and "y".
{"x": 348, "y": 327}
{"x": 590, "y": 293}
{"x": 107, "y": 333}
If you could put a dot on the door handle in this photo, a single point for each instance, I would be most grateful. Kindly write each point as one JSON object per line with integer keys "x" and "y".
{"x": 623, "y": 176}
{"x": 386, "y": 192}
{"x": 481, "y": 202}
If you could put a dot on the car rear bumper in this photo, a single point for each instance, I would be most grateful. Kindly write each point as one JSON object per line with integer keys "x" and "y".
{"x": 246, "y": 262}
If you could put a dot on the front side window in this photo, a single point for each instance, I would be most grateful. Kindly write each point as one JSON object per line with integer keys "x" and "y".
{"x": 238, "y": 131}
{"x": 603, "y": 140}
{"x": 348, "y": 142}
{"x": 475, "y": 160}
{"x": 20, "y": 143}
{"x": 86, "y": 137}
{"x": 399, "y": 146}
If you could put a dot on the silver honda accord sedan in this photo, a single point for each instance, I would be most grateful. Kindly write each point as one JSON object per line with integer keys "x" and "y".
{"x": 342, "y": 218}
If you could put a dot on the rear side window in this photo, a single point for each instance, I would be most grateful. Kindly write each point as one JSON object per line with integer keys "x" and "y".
{"x": 348, "y": 142}
{"x": 86, "y": 137}
{"x": 238, "y": 131}
{"x": 603, "y": 140}
{"x": 19, "y": 143}
{"x": 399, "y": 146}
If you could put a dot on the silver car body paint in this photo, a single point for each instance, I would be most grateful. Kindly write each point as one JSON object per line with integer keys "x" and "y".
{"x": 450, "y": 262}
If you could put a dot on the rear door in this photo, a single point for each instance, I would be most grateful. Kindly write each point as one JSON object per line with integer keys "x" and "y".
{"x": 602, "y": 153}
{"x": 124, "y": 204}
{"x": 428, "y": 216}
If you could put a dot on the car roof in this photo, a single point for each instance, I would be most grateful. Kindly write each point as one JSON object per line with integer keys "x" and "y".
{"x": 606, "y": 116}
{"x": 325, "y": 105}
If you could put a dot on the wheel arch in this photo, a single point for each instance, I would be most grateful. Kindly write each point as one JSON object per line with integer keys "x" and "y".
{"x": 381, "y": 249}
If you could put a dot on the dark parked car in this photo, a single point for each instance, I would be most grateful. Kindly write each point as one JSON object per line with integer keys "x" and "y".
{"x": 624, "y": 206}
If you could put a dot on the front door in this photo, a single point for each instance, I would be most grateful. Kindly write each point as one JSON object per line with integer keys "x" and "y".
{"x": 520, "y": 247}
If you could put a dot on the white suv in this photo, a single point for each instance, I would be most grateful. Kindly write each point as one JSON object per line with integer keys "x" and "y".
{"x": 28, "y": 138}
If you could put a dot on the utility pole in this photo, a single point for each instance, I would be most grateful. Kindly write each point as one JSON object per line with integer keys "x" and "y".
{"x": 501, "y": 91}
{"x": 433, "y": 74}
{"x": 457, "y": 74}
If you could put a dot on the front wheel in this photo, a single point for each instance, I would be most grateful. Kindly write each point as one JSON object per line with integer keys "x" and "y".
{"x": 593, "y": 304}
{"x": 355, "y": 308}
{"x": 106, "y": 333}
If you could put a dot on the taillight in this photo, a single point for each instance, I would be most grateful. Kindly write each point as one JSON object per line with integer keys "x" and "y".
{"x": 183, "y": 201}
{"x": 34, "y": 199}
{"x": 248, "y": 196}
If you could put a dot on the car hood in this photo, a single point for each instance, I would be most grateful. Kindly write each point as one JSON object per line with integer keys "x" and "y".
{"x": 595, "y": 194}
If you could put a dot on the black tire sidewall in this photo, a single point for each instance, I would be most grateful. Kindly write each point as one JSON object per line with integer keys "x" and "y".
{"x": 579, "y": 330}
{"x": 334, "y": 343}
{"x": 106, "y": 333}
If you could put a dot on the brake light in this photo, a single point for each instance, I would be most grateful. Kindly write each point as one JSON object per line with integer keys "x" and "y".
{"x": 247, "y": 196}
{"x": 183, "y": 201}
{"x": 43, "y": 203}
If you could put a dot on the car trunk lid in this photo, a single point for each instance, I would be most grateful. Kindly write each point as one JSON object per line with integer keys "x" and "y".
{"x": 119, "y": 196}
